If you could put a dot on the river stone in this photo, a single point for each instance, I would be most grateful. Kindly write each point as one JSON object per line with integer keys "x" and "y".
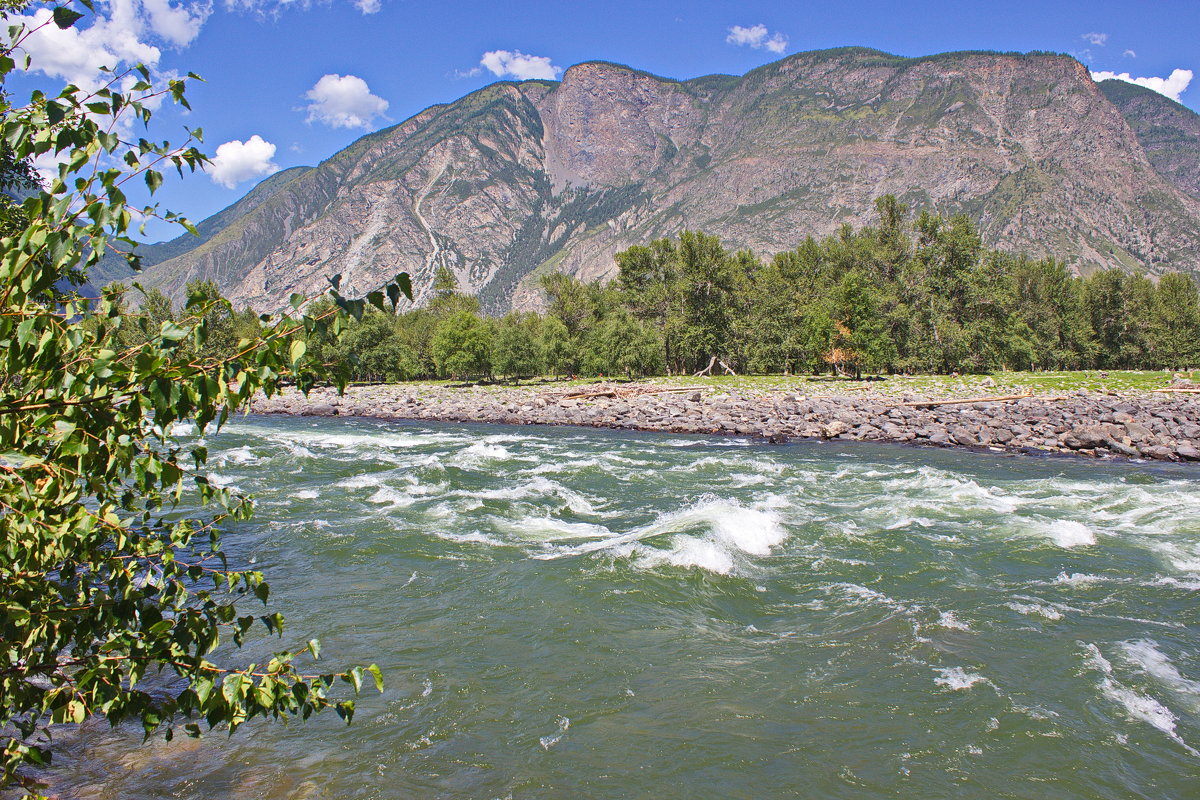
{"x": 1137, "y": 431}
{"x": 1086, "y": 437}
{"x": 1118, "y": 447}
{"x": 318, "y": 410}
{"x": 834, "y": 428}
{"x": 1187, "y": 452}
{"x": 1002, "y": 435}
{"x": 963, "y": 435}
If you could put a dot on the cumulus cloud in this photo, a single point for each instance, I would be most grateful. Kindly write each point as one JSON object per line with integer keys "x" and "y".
{"x": 368, "y": 6}
{"x": 515, "y": 64}
{"x": 1098, "y": 39}
{"x": 1171, "y": 86}
{"x": 238, "y": 161}
{"x": 125, "y": 32}
{"x": 344, "y": 101}
{"x": 757, "y": 37}
{"x": 179, "y": 24}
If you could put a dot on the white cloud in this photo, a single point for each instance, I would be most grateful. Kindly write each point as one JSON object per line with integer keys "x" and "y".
{"x": 180, "y": 24}
{"x": 515, "y": 64}
{"x": 344, "y": 101}
{"x": 238, "y": 161}
{"x": 1130, "y": 54}
{"x": 777, "y": 43}
{"x": 368, "y": 6}
{"x": 756, "y": 36}
{"x": 1098, "y": 39}
{"x": 753, "y": 36}
{"x": 1171, "y": 86}
{"x": 124, "y": 32}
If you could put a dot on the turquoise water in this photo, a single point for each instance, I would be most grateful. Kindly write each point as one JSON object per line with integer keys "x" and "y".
{"x": 576, "y": 613}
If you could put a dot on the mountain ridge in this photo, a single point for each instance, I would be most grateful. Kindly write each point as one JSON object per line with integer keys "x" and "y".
{"x": 519, "y": 178}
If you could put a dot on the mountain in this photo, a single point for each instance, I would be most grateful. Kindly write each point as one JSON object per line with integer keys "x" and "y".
{"x": 1168, "y": 131}
{"x": 518, "y": 179}
{"x": 114, "y": 268}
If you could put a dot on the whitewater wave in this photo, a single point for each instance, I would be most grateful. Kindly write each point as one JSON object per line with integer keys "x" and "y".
{"x": 1138, "y": 706}
{"x": 541, "y": 487}
{"x": 1066, "y": 532}
{"x": 957, "y": 679}
{"x": 712, "y": 534}
{"x": 1145, "y": 655}
{"x": 1036, "y": 609}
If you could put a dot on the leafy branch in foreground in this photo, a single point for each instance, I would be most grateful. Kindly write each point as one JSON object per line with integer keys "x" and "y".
{"x": 106, "y": 587}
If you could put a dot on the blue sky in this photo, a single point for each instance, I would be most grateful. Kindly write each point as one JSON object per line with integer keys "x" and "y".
{"x": 291, "y": 83}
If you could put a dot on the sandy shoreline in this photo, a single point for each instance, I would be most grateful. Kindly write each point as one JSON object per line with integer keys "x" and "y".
{"x": 1096, "y": 424}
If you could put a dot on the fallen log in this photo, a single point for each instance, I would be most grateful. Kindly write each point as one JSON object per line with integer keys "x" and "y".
{"x": 1178, "y": 390}
{"x": 635, "y": 391}
{"x": 967, "y": 400}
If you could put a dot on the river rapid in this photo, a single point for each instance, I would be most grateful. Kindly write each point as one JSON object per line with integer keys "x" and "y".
{"x": 563, "y": 612}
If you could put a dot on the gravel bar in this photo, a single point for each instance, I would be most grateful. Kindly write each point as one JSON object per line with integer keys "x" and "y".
{"x": 1163, "y": 427}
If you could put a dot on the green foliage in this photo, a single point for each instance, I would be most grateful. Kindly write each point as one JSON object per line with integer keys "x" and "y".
{"x": 374, "y": 351}
{"x": 517, "y": 346}
{"x": 462, "y": 346}
{"x": 905, "y": 296}
{"x": 105, "y": 581}
{"x": 556, "y": 346}
{"x": 1177, "y": 313}
{"x": 627, "y": 346}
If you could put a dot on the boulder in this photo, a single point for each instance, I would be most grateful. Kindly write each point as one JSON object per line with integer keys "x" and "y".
{"x": 1086, "y": 437}
{"x": 834, "y": 428}
{"x": 964, "y": 435}
{"x": 1138, "y": 432}
{"x": 1187, "y": 452}
{"x": 319, "y": 410}
{"x": 1118, "y": 447}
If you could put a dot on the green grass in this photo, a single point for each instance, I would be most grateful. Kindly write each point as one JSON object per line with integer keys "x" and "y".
{"x": 1000, "y": 383}
{"x": 935, "y": 385}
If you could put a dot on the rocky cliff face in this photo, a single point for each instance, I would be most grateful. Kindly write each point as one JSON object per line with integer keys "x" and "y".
{"x": 518, "y": 179}
{"x": 1167, "y": 131}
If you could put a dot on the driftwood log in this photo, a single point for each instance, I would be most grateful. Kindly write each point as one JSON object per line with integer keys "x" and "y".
{"x": 633, "y": 391}
{"x": 968, "y": 400}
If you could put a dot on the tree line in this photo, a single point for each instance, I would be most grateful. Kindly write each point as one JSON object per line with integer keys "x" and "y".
{"x": 904, "y": 295}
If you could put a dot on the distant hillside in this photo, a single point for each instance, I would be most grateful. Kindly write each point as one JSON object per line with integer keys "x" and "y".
{"x": 518, "y": 179}
{"x": 1168, "y": 132}
{"x": 115, "y": 268}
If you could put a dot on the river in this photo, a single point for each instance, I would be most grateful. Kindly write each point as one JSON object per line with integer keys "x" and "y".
{"x": 577, "y": 613}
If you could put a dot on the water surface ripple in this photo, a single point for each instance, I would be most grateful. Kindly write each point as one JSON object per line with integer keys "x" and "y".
{"x": 581, "y": 613}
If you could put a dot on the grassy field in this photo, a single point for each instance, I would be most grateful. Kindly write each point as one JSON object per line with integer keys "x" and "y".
{"x": 928, "y": 385}
{"x": 994, "y": 384}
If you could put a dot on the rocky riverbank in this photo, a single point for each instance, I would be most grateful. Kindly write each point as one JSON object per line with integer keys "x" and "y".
{"x": 1162, "y": 427}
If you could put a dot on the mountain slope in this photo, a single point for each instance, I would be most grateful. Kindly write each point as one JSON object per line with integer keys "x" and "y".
{"x": 1168, "y": 132}
{"x": 520, "y": 178}
{"x": 115, "y": 268}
